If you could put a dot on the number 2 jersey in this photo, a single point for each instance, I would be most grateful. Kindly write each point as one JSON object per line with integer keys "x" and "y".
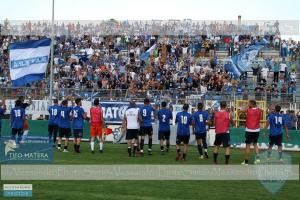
{"x": 164, "y": 116}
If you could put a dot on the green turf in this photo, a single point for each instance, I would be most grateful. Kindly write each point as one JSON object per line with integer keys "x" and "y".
{"x": 117, "y": 154}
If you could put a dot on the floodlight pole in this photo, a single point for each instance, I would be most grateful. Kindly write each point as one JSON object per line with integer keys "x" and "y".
{"x": 52, "y": 55}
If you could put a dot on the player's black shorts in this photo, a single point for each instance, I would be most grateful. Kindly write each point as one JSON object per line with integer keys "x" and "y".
{"x": 251, "y": 137}
{"x": 182, "y": 138}
{"x": 16, "y": 131}
{"x": 52, "y": 128}
{"x": 201, "y": 136}
{"x": 78, "y": 133}
{"x": 222, "y": 139}
{"x": 64, "y": 132}
{"x": 132, "y": 134}
{"x": 277, "y": 140}
{"x": 164, "y": 135}
{"x": 148, "y": 130}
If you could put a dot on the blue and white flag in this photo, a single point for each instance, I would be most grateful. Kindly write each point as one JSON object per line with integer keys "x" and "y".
{"x": 28, "y": 61}
{"x": 242, "y": 62}
{"x": 146, "y": 54}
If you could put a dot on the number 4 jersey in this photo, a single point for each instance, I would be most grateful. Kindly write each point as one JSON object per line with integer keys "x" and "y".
{"x": 64, "y": 117}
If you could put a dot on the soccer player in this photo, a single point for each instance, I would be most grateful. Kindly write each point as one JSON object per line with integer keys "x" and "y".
{"x": 222, "y": 122}
{"x": 2, "y": 111}
{"x": 146, "y": 126}
{"x": 164, "y": 116}
{"x": 64, "y": 115}
{"x": 26, "y": 124}
{"x": 184, "y": 121}
{"x": 200, "y": 121}
{"x": 276, "y": 123}
{"x": 17, "y": 116}
{"x": 53, "y": 121}
{"x": 78, "y": 116}
{"x": 97, "y": 123}
{"x": 131, "y": 124}
{"x": 253, "y": 116}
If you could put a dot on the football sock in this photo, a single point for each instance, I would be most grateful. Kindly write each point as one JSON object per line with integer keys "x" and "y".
{"x": 168, "y": 144}
{"x": 280, "y": 154}
{"x": 134, "y": 149}
{"x": 92, "y": 146}
{"x": 227, "y": 159}
{"x": 184, "y": 156}
{"x": 246, "y": 161}
{"x": 142, "y": 144}
{"x": 150, "y": 143}
{"x": 101, "y": 146}
{"x": 205, "y": 146}
{"x": 161, "y": 148}
{"x": 200, "y": 149}
{"x": 215, "y": 157}
{"x": 66, "y": 147}
{"x": 129, "y": 151}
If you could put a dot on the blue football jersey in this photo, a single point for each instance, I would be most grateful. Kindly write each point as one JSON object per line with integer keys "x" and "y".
{"x": 146, "y": 113}
{"x": 17, "y": 117}
{"x": 64, "y": 117}
{"x": 53, "y": 114}
{"x": 184, "y": 120}
{"x": 200, "y": 118}
{"x": 164, "y": 116}
{"x": 276, "y": 122}
{"x": 78, "y": 113}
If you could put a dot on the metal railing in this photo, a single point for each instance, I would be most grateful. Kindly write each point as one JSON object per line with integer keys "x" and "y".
{"x": 174, "y": 95}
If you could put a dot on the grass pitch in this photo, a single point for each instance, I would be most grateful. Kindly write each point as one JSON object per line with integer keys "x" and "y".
{"x": 153, "y": 190}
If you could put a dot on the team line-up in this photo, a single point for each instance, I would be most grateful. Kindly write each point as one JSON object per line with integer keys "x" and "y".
{"x": 137, "y": 124}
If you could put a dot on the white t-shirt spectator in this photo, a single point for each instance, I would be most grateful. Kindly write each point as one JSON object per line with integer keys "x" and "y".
{"x": 192, "y": 69}
{"x": 236, "y": 39}
{"x": 184, "y": 50}
{"x": 203, "y": 89}
{"x": 264, "y": 72}
{"x": 197, "y": 68}
{"x": 132, "y": 75}
{"x": 77, "y": 67}
{"x": 283, "y": 66}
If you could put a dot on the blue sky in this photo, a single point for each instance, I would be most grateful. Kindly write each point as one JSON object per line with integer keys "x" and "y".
{"x": 151, "y": 9}
{"x": 158, "y": 9}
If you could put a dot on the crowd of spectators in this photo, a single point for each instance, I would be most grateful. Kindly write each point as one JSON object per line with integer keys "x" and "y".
{"x": 184, "y": 63}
